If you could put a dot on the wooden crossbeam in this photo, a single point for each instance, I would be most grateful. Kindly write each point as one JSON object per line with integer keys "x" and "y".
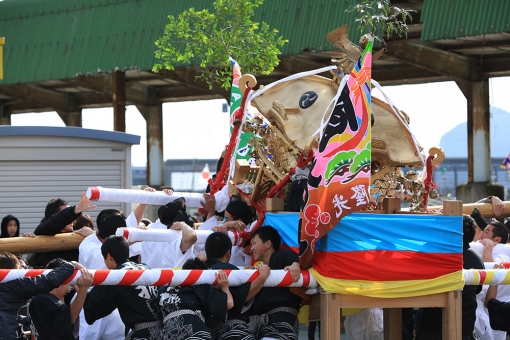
{"x": 136, "y": 92}
{"x": 496, "y": 66}
{"x": 40, "y": 96}
{"x": 433, "y": 59}
{"x": 186, "y": 75}
{"x": 406, "y": 74}
{"x": 291, "y": 64}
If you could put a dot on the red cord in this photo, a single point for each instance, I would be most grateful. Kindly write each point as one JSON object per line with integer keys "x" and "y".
{"x": 427, "y": 183}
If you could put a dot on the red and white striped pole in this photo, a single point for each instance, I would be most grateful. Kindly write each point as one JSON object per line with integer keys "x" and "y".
{"x": 169, "y": 277}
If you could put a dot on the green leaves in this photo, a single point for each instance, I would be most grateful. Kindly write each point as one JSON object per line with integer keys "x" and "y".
{"x": 379, "y": 17}
{"x": 208, "y": 39}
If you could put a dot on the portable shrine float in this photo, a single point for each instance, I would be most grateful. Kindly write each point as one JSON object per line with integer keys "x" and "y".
{"x": 361, "y": 248}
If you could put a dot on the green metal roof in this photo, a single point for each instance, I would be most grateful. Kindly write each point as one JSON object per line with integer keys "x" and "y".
{"x": 459, "y": 18}
{"x": 57, "y": 39}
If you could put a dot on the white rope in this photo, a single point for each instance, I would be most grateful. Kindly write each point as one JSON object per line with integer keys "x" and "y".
{"x": 390, "y": 103}
{"x": 325, "y": 121}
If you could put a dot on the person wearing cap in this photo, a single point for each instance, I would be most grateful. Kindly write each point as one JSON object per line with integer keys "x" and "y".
{"x": 137, "y": 305}
{"x": 174, "y": 218}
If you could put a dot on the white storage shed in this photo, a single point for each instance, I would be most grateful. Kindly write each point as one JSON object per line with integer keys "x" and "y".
{"x": 38, "y": 163}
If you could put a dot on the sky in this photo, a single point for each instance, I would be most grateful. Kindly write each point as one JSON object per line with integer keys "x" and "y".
{"x": 199, "y": 129}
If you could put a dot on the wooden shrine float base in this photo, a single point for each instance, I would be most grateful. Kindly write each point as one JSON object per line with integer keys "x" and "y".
{"x": 326, "y": 308}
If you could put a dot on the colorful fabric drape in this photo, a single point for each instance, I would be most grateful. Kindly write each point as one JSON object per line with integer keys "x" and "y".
{"x": 391, "y": 255}
{"x": 339, "y": 180}
{"x": 506, "y": 163}
{"x": 287, "y": 225}
{"x": 236, "y": 96}
{"x": 245, "y": 149}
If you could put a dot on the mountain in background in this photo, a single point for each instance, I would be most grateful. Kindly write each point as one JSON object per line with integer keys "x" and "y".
{"x": 454, "y": 142}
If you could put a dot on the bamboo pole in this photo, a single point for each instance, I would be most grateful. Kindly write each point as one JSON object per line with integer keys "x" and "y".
{"x": 40, "y": 244}
{"x": 485, "y": 209}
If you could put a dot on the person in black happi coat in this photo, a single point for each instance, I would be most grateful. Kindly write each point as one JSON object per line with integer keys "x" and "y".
{"x": 15, "y": 293}
{"x": 184, "y": 309}
{"x": 218, "y": 248}
{"x": 277, "y": 306}
{"x": 137, "y": 305}
{"x": 51, "y": 318}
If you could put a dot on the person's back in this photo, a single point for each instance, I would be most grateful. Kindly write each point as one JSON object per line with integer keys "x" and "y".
{"x": 13, "y": 294}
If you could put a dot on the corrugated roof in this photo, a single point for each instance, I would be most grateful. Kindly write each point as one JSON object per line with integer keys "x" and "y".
{"x": 57, "y": 39}
{"x": 459, "y": 18}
